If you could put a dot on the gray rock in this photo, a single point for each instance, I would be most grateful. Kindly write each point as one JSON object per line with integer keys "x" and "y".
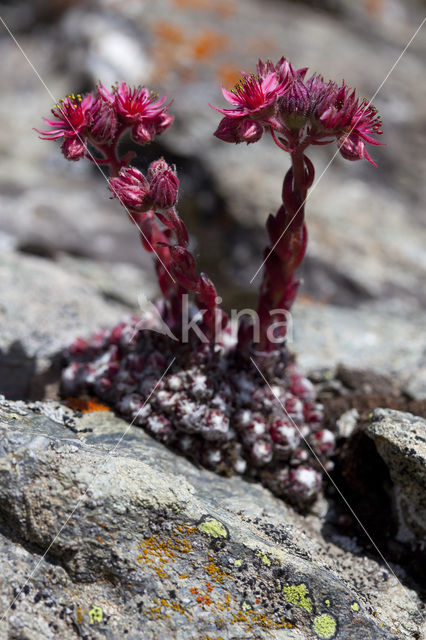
{"x": 105, "y": 530}
{"x": 400, "y": 439}
{"x": 42, "y": 309}
{"x": 387, "y": 338}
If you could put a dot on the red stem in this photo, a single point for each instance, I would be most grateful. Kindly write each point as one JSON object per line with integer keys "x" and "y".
{"x": 288, "y": 237}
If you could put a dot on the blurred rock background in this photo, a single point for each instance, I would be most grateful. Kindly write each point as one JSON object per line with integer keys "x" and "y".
{"x": 367, "y": 226}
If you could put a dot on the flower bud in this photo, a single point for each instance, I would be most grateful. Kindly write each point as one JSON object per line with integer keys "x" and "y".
{"x": 132, "y": 189}
{"x": 104, "y": 122}
{"x": 73, "y": 148}
{"x": 250, "y": 131}
{"x": 227, "y": 130}
{"x": 143, "y": 132}
{"x": 351, "y": 147}
{"x": 162, "y": 122}
{"x": 164, "y": 184}
{"x": 239, "y": 130}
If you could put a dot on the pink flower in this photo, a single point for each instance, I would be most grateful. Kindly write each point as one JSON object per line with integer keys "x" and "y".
{"x": 340, "y": 113}
{"x": 72, "y": 117}
{"x": 239, "y": 130}
{"x": 254, "y": 96}
{"x": 138, "y": 103}
{"x": 105, "y": 94}
{"x": 132, "y": 189}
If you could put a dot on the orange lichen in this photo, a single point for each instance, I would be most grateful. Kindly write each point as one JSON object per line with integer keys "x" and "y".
{"x": 373, "y": 7}
{"x": 85, "y": 405}
{"x": 228, "y": 75}
{"x": 193, "y": 4}
{"x": 204, "y": 600}
{"x": 207, "y": 44}
{"x": 215, "y": 572}
{"x": 169, "y": 32}
{"x": 157, "y": 552}
{"x": 225, "y": 9}
{"x": 160, "y": 612}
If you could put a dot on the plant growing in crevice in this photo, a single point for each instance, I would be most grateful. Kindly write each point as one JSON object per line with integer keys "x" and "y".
{"x": 199, "y": 392}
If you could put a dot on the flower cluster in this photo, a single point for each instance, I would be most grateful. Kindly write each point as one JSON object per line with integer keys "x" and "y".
{"x": 154, "y": 196}
{"x": 139, "y": 193}
{"x": 210, "y": 402}
{"x": 298, "y": 111}
{"x": 208, "y": 406}
{"x": 100, "y": 118}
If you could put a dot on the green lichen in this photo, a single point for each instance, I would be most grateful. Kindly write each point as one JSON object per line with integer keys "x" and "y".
{"x": 238, "y": 562}
{"x": 245, "y": 606}
{"x": 298, "y": 594}
{"x": 212, "y": 527}
{"x": 327, "y": 603}
{"x": 324, "y": 626}
{"x": 355, "y": 606}
{"x": 264, "y": 558}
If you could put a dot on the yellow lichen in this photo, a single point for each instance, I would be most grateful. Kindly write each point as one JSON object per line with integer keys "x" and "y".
{"x": 95, "y": 615}
{"x": 298, "y": 594}
{"x": 212, "y": 527}
{"x": 264, "y": 558}
{"x": 324, "y": 626}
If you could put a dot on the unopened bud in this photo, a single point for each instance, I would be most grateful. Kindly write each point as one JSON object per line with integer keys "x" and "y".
{"x": 164, "y": 184}
{"x": 239, "y": 130}
{"x": 250, "y": 131}
{"x": 351, "y": 147}
{"x": 143, "y": 132}
{"x": 162, "y": 122}
{"x": 104, "y": 122}
{"x": 73, "y": 148}
{"x": 132, "y": 189}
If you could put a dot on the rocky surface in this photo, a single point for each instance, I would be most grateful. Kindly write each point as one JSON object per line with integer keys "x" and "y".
{"x": 139, "y": 539}
{"x": 388, "y": 338}
{"x": 43, "y": 306}
{"x": 400, "y": 439}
